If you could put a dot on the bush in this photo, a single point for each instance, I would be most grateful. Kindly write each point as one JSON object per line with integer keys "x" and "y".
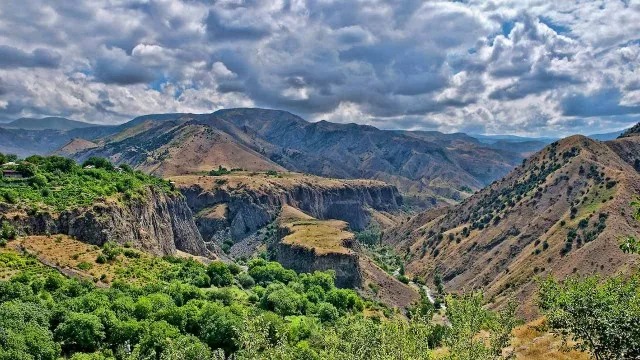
{"x": 598, "y": 315}
{"x": 99, "y": 163}
{"x": 369, "y": 236}
{"x": 82, "y": 332}
{"x": 327, "y": 312}
{"x": 221, "y": 171}
{"x": 246, "y": 281}
{"x": 84, "y": 266}
{"x": 8, "y": 231}
{"x": 282, "y": 300}
{"x": 219, "y": 274}
{"x": 101, "y": 259}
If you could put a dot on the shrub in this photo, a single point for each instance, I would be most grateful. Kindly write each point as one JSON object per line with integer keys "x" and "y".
{"x": 246, "y": 281}
{"x": 8, "y": 231}
{"x": 82, "y": 332}
{"x": 282, "y": 300}
{"x": 101, "y": 259}
{"x": 84, "y": 266}
{"x": 596, "y": 314}
{"x": 219, "y": 274}
{"x": 327, "y": 312}
{"x": 99, "y": 163}
{"x": 221, "y": 171}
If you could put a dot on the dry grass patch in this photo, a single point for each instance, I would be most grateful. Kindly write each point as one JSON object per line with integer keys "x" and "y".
{"x": 323, "y": 236}
{"x": 64, "y": 252}
{"x": 532, "y": 342}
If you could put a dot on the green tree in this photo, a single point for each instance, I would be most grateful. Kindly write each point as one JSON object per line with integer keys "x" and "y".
{"x": 155, "y": 340}
{"x": 186, "y": 348}
{"x": 220, "y": 327}
{"x": 80, "y": 331}
{"x": 282, "y": 300}
{"x": 219, "y": 274}
{"x": 601, "y": 316}
{"x": 468, "y": 319}
{"x": 98, "y": 162}
{"x": 8, "y": 231}
{"x": 327, "y": 312}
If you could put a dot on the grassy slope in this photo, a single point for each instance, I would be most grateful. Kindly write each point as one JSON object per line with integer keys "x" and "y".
{"x": 59, "y": 189}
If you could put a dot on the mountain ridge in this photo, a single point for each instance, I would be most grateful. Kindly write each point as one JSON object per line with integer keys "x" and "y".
{"x": 436, "y": 167}
{"x": 47, "y": 123}
{"x": 560, "y": 213}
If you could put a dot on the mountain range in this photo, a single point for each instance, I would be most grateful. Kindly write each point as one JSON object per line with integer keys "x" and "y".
{"x": 47, "y": 123}
{"x": 431, "y": 167}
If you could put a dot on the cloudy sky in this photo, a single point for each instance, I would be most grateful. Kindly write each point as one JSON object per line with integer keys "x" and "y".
{"x": 526, "y": 67}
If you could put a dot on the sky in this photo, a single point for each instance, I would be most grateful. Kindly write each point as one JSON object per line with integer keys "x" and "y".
{"x": 527, "y": 67}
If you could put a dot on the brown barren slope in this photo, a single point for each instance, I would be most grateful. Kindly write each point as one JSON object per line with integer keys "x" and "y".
{"x": 74, "y": 146}
{"x": 562, "y": 212}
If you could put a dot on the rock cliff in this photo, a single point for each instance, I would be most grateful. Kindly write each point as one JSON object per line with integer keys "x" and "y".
{"x": 244, "y": 203}
{"x": 159, "y": 223}
{"x": 305, "y": 259}
{"x": 306, "y": 244}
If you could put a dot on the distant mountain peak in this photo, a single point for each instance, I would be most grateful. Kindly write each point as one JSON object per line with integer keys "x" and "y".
{"x": 47, "y": 123}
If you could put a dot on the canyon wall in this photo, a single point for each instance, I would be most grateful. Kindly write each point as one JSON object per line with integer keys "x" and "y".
{"x": 159, "y": 223}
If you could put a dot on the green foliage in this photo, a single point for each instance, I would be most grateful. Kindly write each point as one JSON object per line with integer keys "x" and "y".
{"x": 7, "y": 231}
{"x": 601, "y": 316}
{"x": 84, "y": 265}
{"x": 264, "y": 272}
{"x": 58, "y": 183}
{"x": 468, "y": 318}
{"x": 79, "y": 331}
{"x": 219, "y": 172}
{"x": 164, "y": 308}
{"x": 98, "y": 162}
{"x": 327, "y": 312}
{"x": 219, "y": 274}
{"x": 369, "y": 236}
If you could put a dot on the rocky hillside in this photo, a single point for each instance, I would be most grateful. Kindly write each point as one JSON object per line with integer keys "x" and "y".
{"x": 435, "y": 167}
{"x": 159, "y": 223}
{"x": 306, "y": 244}
{"x": 563, "y": 211}
{"x": 97, "y": 204}
{"x": 29, "y": 142}
{"x": 238, "y": 204}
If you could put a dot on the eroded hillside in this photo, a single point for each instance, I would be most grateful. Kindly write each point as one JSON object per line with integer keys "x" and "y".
{"x": 433, "y": 167}
{"x": 96, "y": 205}
{"x": 238, "y": 204}
{"x": 563, "y": 211}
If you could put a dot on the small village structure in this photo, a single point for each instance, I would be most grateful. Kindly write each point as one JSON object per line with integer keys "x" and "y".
{"x": 11, "y": 174}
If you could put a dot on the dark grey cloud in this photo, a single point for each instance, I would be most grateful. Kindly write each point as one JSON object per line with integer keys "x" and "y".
{"x": 605, "y": 102}
{"x": 219, "y": 28}
{"x": 448, "y": 65}
{"x": 122, "y": 72}
{"x": 11, "y": 57}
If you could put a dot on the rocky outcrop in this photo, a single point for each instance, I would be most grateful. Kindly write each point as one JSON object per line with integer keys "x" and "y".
{"x": 305, "y": 260}
{"x": 337, "y": 251}
{"x": 159, "y": 223}
{"x": 250, "y": 209}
